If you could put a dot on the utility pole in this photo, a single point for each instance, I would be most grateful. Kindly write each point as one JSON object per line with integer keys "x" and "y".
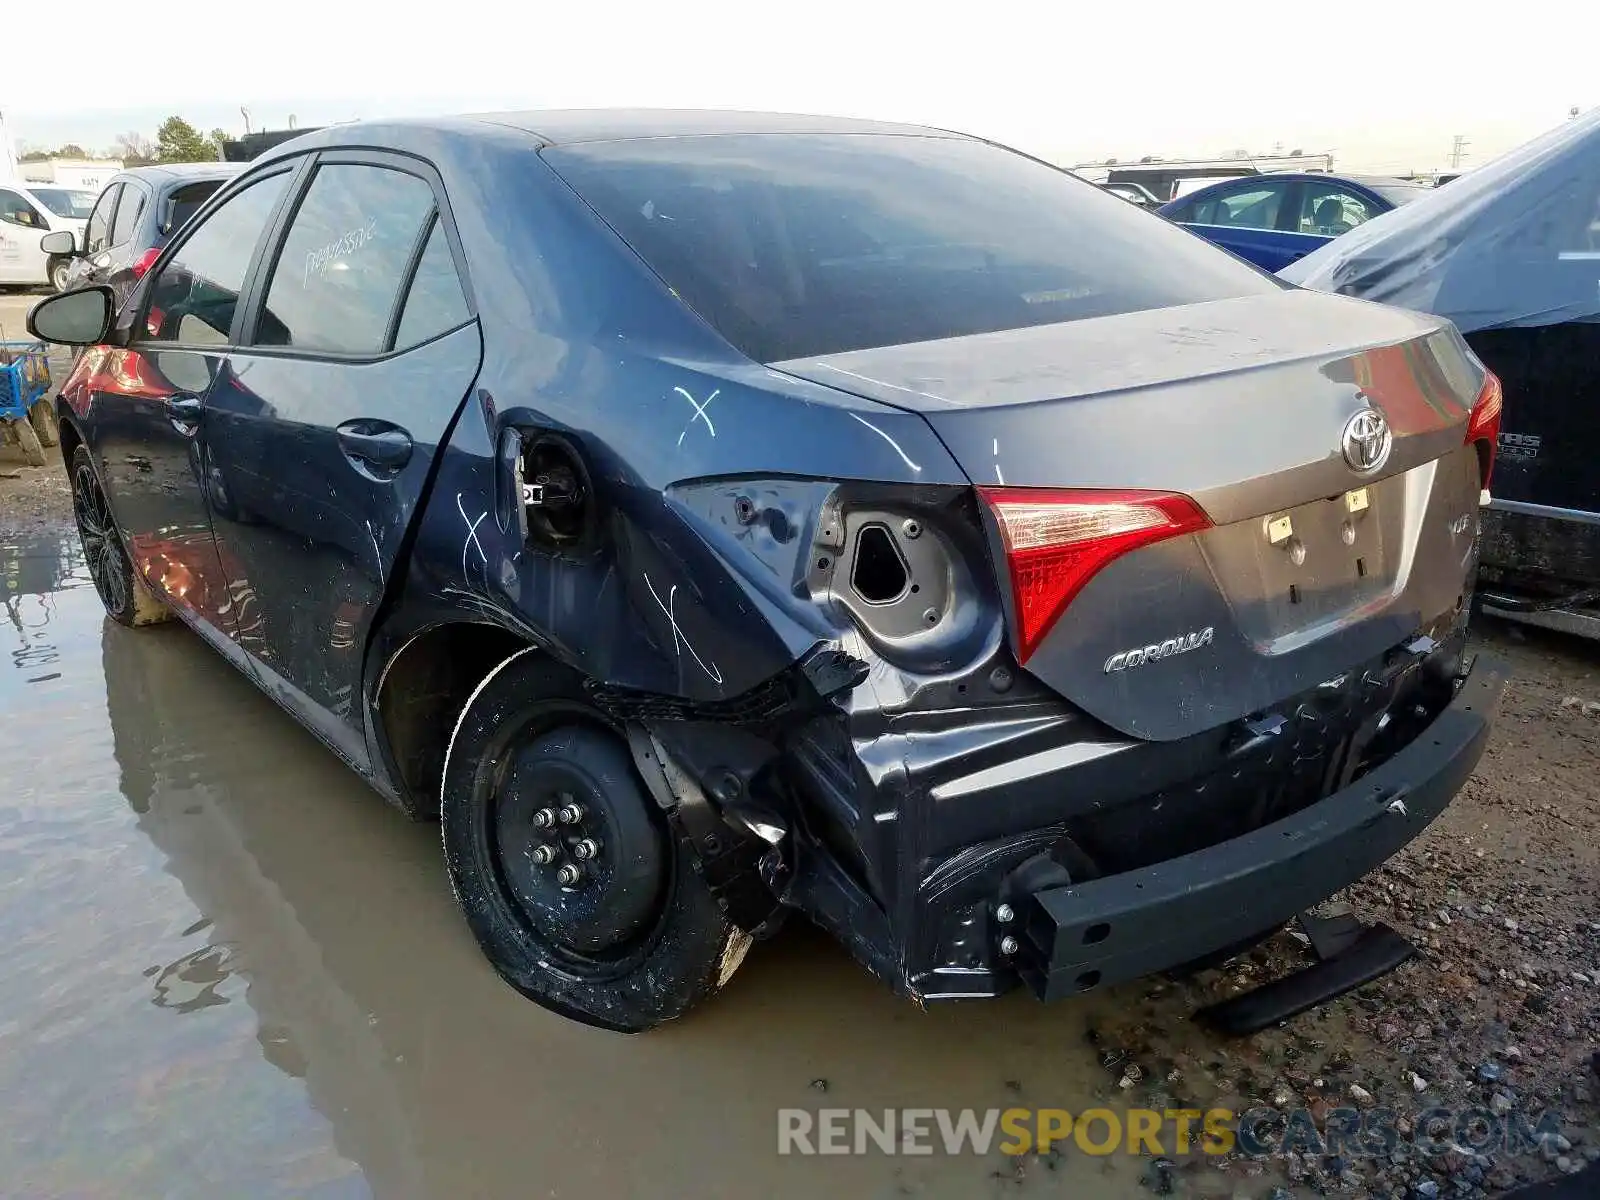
{"x": 1458, "y": 150}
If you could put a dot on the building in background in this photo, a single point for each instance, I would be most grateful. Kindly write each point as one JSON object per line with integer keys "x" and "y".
{"x": 78, "y": 174}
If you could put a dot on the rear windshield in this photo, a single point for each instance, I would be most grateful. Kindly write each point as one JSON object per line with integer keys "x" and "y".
{"x": 795, "y": 245}
{"x": 1400, "y": 193}
{"x": 184, "y": 201}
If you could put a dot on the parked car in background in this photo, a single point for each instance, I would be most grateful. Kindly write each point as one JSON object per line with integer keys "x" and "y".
{"x": 1272, "y": 220}
{"x": 27, "y": 213}
{"x": 134, "y": 218}
{"x": 1133, "y": 193}
{"x": 712, "y": 516}
{"x": 1510, "y": 253}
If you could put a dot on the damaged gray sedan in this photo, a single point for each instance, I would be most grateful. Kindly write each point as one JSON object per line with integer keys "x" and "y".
{"x": 715, "y": 516}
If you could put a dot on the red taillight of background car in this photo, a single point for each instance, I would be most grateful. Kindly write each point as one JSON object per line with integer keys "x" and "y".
{"x": 144, "y": 262}
{"x": 1057, "y": 540}
{"x": 1483, "y": 427}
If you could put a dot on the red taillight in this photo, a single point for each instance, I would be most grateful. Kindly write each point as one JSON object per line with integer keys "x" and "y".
{"x": 144, "y": 262}
{"x": 1484, "y": 424}
{"x": 1056, "y": 541}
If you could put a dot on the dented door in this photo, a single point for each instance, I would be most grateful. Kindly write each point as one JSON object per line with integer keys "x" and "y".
{"x": 360, "y": 355}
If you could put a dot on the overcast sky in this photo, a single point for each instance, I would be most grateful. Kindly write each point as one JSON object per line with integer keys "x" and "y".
{"x": 1386, "y": 86}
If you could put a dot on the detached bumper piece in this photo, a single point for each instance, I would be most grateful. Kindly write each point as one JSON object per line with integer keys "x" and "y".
{"x": 1351, "y": 954}
{"x": 1104, "y": 931}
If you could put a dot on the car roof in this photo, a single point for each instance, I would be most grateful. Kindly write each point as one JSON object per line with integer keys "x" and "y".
{"x": 567, "y": 126}
{"x": 159, "y": 173}
{"x": 1367, "y": 181}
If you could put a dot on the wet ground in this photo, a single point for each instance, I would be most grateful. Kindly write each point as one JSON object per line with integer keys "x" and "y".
{"x": 234, "y": 971}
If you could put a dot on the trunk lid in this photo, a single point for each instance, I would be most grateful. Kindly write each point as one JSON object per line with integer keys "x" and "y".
{"x": 1311, "y": 565}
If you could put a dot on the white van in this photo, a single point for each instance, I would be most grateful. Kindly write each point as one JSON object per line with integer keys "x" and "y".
{"x": 27, "y": 213}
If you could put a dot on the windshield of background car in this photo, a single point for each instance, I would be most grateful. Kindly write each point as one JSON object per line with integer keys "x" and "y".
{"x": 66, "y": 202}
{"x": 795, "y": 245}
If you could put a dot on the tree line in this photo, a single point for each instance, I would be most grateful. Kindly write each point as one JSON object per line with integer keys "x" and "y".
{"x": 175, "y": 141}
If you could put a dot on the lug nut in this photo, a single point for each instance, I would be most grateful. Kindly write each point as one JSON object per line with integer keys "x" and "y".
{"x": 586, "y": 849}
{"x": 1003, "y": 913}
{"x": 544, "y": 818}
{"x": 569, "y": 874}
{"x": 570, "y": 814}
{"x": 1008, "y": 946}
{"x": 544, "y": 855}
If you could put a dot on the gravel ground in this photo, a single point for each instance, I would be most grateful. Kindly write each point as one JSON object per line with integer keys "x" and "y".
{"x": 34, "y": 500}
{"x": 1500, "y": 1011}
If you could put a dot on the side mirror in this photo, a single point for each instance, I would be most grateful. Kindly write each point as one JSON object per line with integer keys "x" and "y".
{"x": 59, "y": 242}
{"x": 80, "y": 318}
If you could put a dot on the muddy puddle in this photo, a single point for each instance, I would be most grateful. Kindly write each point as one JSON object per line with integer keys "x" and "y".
{"x": 232, "y": 970}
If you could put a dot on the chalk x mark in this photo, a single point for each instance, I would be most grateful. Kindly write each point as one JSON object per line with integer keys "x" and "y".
{"x": 472, "y": 538}
{"x": 699, "y": 412}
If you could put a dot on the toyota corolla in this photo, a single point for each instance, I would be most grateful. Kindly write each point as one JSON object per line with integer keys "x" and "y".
{"x": 716, "y": 516}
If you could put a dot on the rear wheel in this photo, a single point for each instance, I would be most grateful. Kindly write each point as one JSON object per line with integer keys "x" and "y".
{"x": 128, "y": 600}
{"x": 59, "y": 270}
{"x": 567, "y": 872}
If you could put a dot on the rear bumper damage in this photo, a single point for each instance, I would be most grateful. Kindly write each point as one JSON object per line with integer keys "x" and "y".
{"x": 1111, "y": 930}
{"x": 962, "y": 854}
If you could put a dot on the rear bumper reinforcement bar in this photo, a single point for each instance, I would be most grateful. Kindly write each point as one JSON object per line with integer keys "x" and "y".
{"x": 1128, "y": 925}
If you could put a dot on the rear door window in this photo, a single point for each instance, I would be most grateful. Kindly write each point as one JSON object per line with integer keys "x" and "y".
{"x": 435, "y": 302}
{"x": 127, "y": 214}
{"x": 194, "y": 298}
{"x": 1251, "y": 207}
{"x": 794, "y": 245}
{"x": 344, "y": 260}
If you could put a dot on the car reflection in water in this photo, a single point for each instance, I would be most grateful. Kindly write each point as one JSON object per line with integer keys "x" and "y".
{"x": 437, "y": 1078}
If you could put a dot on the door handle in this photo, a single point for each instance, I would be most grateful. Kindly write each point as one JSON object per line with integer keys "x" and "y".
{"x": 185, "y": 409}
{"x": 389, "y": 449}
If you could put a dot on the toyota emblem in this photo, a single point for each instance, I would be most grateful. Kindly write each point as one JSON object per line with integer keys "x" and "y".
{"x": 1367, "y": 441}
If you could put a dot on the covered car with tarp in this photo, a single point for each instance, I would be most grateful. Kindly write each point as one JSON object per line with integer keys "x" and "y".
{"x": 1510, "y": 253}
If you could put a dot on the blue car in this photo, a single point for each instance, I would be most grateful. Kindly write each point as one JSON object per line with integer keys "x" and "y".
{"x": 1272, "y": 220}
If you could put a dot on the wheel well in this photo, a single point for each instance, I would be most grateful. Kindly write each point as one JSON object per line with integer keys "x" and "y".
{"x": 422, "y": 691}
{"x": 70, "y": 441}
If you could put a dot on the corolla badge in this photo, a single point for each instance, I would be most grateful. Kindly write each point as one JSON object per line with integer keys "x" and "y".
{"x": 1139, "y": 655}
{"x": 1367, "y": 441}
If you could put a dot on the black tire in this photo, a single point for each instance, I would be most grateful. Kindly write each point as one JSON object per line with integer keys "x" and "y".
{"x": 127, "y": 598}
{"x": 638, "y": 942}
{"x": 58, "y": 270}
